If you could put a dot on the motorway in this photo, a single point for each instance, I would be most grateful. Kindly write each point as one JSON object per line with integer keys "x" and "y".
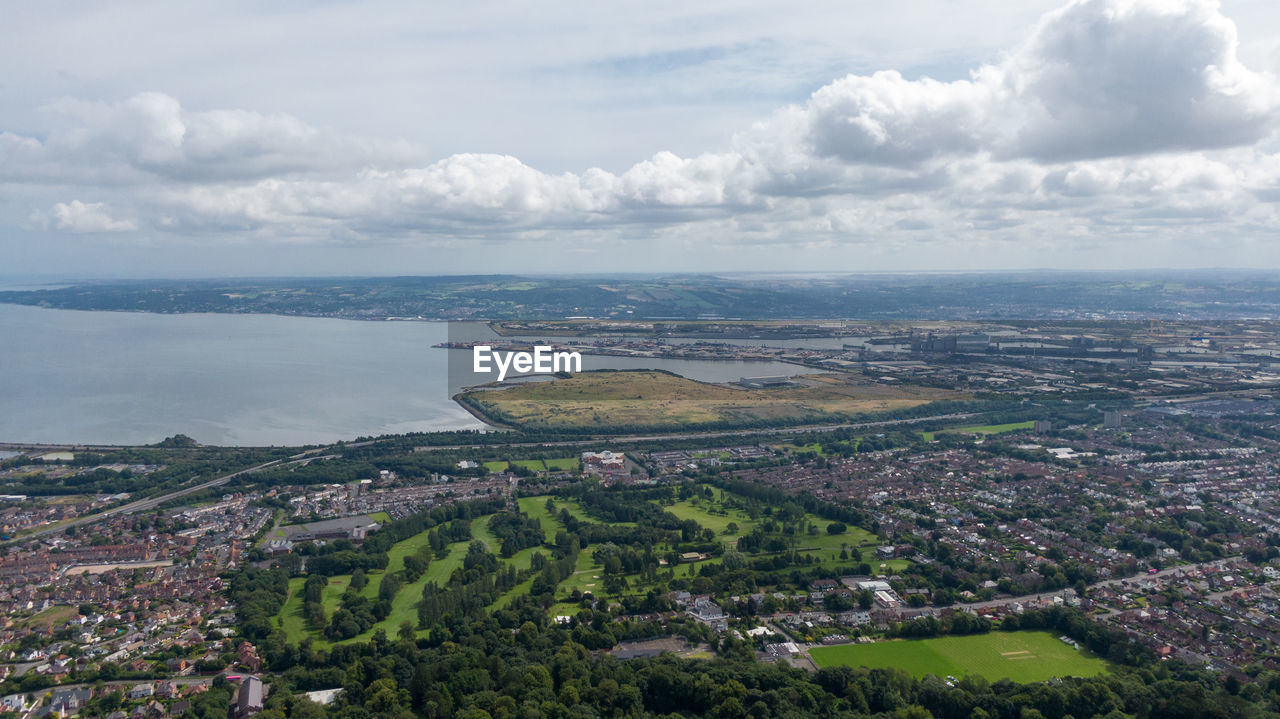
{"x": 151, "y": 502}
{"x": 621, "y": 438}
{"x": 1138, "y": 402}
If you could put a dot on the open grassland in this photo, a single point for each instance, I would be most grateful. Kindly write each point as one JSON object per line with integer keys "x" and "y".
{"x": 1020, "y": 656}
{"x": 981, "y": 429}
{"x": 643, "y": 398}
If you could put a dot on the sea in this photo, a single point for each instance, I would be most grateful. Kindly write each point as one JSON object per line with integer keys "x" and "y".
{"x": 251, "y": 380}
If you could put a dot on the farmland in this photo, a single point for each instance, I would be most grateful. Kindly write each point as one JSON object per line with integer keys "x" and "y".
{"x": 1020, "y": 656}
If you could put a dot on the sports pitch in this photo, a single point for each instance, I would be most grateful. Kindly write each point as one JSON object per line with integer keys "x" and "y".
{"x": 1020, "y": 656}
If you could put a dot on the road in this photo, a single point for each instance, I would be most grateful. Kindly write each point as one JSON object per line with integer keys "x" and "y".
{"x": 621, "y": 438}
{"x": 42, "y": 447}
{"x": 119, "y": 683}
{"x": 152, "y": 502}
{"x": 1105, "y": 583}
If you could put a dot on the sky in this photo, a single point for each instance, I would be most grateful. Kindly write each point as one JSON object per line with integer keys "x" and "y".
{"x": 161, "y": 139}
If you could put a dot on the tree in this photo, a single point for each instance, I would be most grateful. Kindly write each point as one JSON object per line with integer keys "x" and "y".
{"x": 837, "y": 528}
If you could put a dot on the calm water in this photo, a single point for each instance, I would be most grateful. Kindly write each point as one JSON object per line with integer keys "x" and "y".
{"x": 115, "y": 377}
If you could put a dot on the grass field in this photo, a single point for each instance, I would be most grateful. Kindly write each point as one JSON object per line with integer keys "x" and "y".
{"x": 1020, "y": 656}
{"x": 555, "y": 464}
{"x": 594, "y": 399}
{"x": 55, "y": 616}
{"x": 981, "y": 429}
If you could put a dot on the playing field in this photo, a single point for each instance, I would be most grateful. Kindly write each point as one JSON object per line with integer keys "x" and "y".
{"x": 1020, "y": 656}
{"x": 981, "y": 429}
{"x": 555, "y": 464}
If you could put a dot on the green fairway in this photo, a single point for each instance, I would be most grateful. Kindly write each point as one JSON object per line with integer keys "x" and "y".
{"x": 404, "y": 607}
{"x": 981, "y": 429}
{"x": 707, "y": 516}
{"x": 480, "y": 530}
{"x": 1019, "y": 656}
{"x": 536, "y": 507}
{"x": 291, "y": 618}
{"x": 587, "y": 577}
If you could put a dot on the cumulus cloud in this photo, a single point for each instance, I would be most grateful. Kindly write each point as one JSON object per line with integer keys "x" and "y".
{"x": 1134, "y": 112}
{"x": 150, "y": 136}
{"x": 1096, "y": 78}
{"x": 77, "y": 216}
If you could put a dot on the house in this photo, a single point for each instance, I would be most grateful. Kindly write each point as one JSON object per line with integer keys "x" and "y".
{"x": 855, "y": 618}
{"x": 709, "y": 613}
{"x": 141, "y": 691}
{"x": 248, "y": 657}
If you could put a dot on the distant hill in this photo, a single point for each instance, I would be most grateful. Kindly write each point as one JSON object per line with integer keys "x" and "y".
{"x": 1004, "y": 296}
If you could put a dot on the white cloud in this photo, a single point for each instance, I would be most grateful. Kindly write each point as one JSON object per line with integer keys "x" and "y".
{"x": 1097, "y": 78}
{"x": 1111, "y": 118}
{"x": 77, "y": 216}
{"x": 150, "y": 137}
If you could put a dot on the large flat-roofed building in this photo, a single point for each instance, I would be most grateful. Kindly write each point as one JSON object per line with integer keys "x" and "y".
{"x": 353, "y": 528}
{"x": 604, "y": 461}
{"x": 248, "y": 699}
